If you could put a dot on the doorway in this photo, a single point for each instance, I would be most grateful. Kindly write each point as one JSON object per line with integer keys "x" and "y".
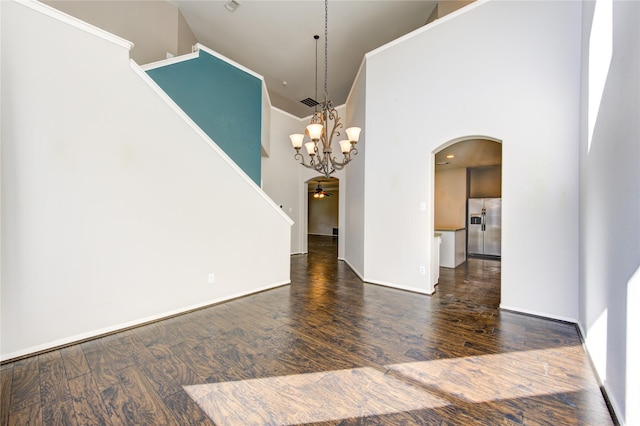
{"x": 323, "y": 206}
{"x": 468, "y": 174}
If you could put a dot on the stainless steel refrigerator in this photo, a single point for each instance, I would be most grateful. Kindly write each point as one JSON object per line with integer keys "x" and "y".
{"x": 484, "y": 226}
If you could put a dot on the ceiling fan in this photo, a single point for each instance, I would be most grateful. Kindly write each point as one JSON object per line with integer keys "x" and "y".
{"x": 320, "y": 193}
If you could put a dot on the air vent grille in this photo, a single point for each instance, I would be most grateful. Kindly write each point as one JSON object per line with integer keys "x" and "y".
{"x": 310, "y": 102}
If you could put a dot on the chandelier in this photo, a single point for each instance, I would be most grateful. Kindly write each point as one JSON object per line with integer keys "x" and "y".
{"x": 319, "y": 148}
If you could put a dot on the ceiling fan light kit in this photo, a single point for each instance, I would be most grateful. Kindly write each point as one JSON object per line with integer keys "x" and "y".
{"x": 320, "y": 193}
{"x": 319, "y": 149}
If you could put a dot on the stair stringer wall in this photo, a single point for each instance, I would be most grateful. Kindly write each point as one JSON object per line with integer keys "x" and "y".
{"x": 115, "y": 206}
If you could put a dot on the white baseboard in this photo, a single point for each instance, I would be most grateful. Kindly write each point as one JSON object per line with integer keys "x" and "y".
{"x": 583, "y": 337}
{"x": 387, "y": 284}
{"x": 355, "y": 271}
{"x": 124, "y": 326}
{"x": 400, "y": 287}
{"x": 603, "y": 385}
{"x": 538, "y": 314}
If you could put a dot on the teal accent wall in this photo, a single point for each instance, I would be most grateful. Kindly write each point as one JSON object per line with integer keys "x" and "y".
{"x": 223, "y": 100}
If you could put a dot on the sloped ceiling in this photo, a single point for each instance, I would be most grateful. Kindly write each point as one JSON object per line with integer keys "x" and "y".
{"x": 275, "y": 39}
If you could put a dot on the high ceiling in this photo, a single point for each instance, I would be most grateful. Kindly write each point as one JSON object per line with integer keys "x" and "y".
{"x": 275, "y": 39}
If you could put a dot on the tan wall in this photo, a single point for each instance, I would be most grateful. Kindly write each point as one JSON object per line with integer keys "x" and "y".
{"x": 323, "y": 214}
{"x": 186, "y": 39}
{"x": 485, "y": 182}
{"x": 445, "y": 7}
{"x": 450, "y": 198}
{"x": 155, "y": 27}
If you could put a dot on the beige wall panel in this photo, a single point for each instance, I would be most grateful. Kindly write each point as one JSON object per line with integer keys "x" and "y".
{"x": 186, "y": 39}
{"x": 485, "y": 182}
{"x": 445, "y": 7}
{"x": 323, "y": 214}
{"x": 450, "y": 198}
{"x": 155, "y": 27}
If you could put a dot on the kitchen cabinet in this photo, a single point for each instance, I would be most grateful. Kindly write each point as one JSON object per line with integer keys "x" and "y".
{"x": 453, "y": 250}
{"x": 435, "y": 259}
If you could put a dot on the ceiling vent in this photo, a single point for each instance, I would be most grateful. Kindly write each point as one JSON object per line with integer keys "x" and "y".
{"x": 310, "y": 102}
{"x": 232, "y": 5}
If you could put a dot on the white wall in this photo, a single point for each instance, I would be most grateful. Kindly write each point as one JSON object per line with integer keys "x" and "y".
{"x": 523, "y": 91}
{"x": 285, "y": 180}
{"x": 114, "y": 208}
{"x": 353, "y": 190}
{"x": 281, "y": 175}
{"x": 610, "y": 198}
{"x": 265, "y": 131}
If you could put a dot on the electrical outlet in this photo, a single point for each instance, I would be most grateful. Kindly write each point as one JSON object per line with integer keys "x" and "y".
{"x": 423, "y": 270}
{"x": 212, "y": 278}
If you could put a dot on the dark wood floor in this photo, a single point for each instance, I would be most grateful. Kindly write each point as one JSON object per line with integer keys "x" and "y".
{"x": 327, "y": 349}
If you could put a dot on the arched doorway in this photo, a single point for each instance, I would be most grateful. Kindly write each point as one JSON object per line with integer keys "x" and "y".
{"x": 467, "y": 200}
{"x": 323, "y": 201}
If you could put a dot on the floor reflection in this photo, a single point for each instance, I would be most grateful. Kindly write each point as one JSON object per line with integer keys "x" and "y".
{"x": 366, "y": 392}
{"x": 347, "y": 352}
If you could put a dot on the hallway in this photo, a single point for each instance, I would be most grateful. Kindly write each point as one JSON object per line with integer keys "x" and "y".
{"x": 326, "y": 349}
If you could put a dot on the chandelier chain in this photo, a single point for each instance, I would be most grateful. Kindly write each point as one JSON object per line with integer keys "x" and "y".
{"x": 315, "y": 107}
{"x": 326, "y": 49}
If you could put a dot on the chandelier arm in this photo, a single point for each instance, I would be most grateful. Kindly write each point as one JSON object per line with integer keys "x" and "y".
{"x": 339, "y": 165}
{"x": 326, "y": 161}
{"x": 317, "y": 166}
{"x": 323, "y": 138}
{"x": 323, "y": 167}
{"x": 298, "y": 156}
{"x": 327, "y": 172}
{"x": 333, "y": 115}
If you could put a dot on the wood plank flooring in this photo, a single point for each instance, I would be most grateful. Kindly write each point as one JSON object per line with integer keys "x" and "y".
{"x": 326, "y": 350}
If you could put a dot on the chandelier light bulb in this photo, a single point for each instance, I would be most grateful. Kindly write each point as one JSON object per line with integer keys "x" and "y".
{"x": 345, "y": 146}
{"x": 296, "y": 140}
{"x": 311, "y": 148}
{"x": 353, "y": 133}
{"x": 315, "y": 131}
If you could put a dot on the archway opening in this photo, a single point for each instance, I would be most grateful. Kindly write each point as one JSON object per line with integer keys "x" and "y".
{"x": 323, "y": 205}
{"x": 467, "y": 202}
